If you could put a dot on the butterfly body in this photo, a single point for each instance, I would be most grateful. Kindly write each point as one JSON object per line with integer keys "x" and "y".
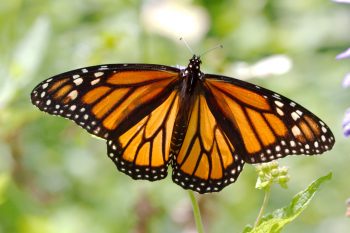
{"x": 205, "y": 126}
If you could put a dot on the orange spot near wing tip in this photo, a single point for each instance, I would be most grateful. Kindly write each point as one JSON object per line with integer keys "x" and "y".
{"x": 57, "y": 84}
{"x": 314, "y": 126}
{"x": 306, "y": 131}
{"x": 62, "y": 91}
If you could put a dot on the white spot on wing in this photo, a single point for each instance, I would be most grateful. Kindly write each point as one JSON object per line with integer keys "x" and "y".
{"x": 316, "y": 144}
{"x": 78, "y": 81}
{"x": 93, "y": 82}
{"x": 292, "y": 143}
{"x": 98, "y": 74}
{"x": 276, "y": 96}
{"x": 296, "y": 131}
{"x": 73, "y": 94}
{"x": 104, "y": 67}
{"x": 279, "y": 111}
{"x": 295, "y": 116}
{"x": 279, "y": 104}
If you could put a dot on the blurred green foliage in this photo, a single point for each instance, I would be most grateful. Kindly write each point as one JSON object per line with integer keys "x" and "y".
{"x": 54, "y": 177}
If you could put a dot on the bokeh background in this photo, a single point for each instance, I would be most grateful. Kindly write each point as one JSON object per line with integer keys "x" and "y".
{"x": 55, "y": 177}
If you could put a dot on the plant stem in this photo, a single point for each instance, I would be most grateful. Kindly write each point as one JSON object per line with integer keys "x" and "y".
{"x": 264, "y": 205}
{"x": 196, "y": 213}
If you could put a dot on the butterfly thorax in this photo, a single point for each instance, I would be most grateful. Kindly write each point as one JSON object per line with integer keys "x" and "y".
{"x": 189, "y": 88}
{"x": 191, "y": 75}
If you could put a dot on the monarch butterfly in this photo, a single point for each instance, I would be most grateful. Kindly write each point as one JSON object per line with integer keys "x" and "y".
{"x": 206, "y": 126}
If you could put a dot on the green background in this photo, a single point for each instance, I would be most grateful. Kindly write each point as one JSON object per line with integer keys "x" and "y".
{"x": 55, "y": 177}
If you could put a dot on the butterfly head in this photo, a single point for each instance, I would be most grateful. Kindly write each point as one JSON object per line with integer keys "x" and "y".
{"x": 195, "y": 61}
{"x": 192, "y": 74}
{"x": 194, "y": 66}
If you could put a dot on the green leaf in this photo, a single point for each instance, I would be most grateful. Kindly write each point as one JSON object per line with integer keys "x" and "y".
{"x": 247, "y": 229}
{"x": 275, "y": 221}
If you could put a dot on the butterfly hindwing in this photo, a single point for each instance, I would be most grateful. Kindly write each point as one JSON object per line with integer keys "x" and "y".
{"x": 206, "y": 160}
{"x": 265, "y": 125}
{"x": 142, "y": 151}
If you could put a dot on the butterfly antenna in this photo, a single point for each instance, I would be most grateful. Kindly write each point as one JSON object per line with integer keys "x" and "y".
{"x": 209, "y": 50}
{"x": 185, "y": 42}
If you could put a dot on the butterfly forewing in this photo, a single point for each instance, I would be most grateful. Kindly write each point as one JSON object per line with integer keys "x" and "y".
{"x": 265, "y": 125}
{"x": 107, "y": 98}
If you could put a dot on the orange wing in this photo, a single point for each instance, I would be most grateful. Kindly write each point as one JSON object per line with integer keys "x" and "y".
{"x": 142, "y": 151}
{"x": 264, "y": 125}
{"x": 132, "y": 106}
{"x": 104, "y": 99}
{"x": 206, "y": 161}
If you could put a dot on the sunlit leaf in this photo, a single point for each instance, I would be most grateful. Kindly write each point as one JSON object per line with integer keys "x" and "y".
{"x": 275, "y": 221}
